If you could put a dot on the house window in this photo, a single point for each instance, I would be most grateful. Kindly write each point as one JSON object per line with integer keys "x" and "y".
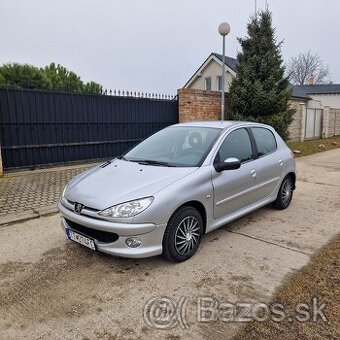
{"x": 208, "y": 84}
{"x": 219, "y": 83}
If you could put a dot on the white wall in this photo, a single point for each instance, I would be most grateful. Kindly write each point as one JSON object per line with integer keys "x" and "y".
{"x": 213, "y": 70}
{"x": 331, "y": 100}
{"x": 315, "y": 104}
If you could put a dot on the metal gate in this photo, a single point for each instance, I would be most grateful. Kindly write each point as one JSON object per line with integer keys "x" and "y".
{"x": 40, "y": 127}
{"x": 313, "y": 125}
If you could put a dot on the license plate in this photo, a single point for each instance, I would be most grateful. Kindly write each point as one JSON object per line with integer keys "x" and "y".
{"x": 81, "y": 239}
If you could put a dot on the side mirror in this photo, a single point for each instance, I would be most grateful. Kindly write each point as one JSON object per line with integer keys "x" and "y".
{"x": 229, "y": 164}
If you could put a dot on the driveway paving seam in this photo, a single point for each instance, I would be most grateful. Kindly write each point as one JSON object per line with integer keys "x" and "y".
{"x": 318, "y": 183}
{"x": 268, "y": 242}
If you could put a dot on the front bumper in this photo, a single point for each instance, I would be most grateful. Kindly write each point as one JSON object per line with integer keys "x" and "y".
{"x": 151, "y": 235}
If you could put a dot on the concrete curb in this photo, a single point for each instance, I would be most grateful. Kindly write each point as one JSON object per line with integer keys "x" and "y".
{"x": 27, "y": 215}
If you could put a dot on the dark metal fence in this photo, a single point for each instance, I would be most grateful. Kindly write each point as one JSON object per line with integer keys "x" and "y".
{"x": 39, "y": 127}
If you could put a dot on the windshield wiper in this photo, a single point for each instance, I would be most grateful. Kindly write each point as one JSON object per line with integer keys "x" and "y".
{"x": 123, "y": 158}
{"x": 151, "y": 162}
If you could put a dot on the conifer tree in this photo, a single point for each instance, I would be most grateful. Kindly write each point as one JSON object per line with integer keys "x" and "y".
{"x": 260, "y": 90}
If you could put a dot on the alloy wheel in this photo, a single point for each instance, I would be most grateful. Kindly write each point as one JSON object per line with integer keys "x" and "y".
{"x": 187, "y": 235}
{"x": 287, "y": 190}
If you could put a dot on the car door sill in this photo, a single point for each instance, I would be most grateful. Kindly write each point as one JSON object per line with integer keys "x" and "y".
{"x": 239, "y": 213}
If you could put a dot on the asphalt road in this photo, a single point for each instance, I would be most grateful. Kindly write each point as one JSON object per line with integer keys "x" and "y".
{"x": 51, "y": 288}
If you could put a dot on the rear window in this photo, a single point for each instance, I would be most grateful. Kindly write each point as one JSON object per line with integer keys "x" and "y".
{"x": 265, "y": 140}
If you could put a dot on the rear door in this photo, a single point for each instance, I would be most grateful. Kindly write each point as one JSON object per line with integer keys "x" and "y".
{"x": 270, "y": 165}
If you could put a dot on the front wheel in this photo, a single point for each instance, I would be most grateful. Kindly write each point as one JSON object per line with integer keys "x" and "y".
{"x": 183, "y": 234}
{"x": 285, "y": 194}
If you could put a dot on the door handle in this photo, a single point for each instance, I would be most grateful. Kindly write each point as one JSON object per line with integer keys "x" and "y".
{"x": 253, "y": 173}
{"x": 280, "y": 162}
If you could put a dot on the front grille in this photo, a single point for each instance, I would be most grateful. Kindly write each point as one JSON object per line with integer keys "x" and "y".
{"x": 84, "y": 207}
{"x": 101, "y": 236}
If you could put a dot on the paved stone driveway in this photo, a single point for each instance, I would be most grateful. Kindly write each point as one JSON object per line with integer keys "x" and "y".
{"x": 30, "y": 194}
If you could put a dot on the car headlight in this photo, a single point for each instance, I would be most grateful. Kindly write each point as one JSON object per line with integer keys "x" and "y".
{"x": 127, "y": 209}
{"x": 62, "y": 197}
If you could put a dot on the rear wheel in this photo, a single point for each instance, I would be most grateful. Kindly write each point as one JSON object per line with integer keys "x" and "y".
{"x": 285, "y": 194}
{"x": 183, "y": 234}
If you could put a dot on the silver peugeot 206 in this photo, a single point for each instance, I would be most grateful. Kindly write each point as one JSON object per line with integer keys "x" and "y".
{"x": 188, "y": 179}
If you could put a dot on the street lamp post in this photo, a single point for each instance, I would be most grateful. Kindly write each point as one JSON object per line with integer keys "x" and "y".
{"x": 224, "y": 30}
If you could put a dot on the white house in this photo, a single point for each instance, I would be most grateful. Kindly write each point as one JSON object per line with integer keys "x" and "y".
{"x": 327, "y": 94}
{"x": 209, "y": 75}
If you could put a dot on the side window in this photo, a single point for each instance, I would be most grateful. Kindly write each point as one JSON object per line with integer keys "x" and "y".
{"x": 265, "y": 141}
{"x": 208, "y": 84}
{"x": 219, "y": 83}
{"x": 237, "y": 144}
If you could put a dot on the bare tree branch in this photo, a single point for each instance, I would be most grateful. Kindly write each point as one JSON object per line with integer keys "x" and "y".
{"x": 306, "y": 66}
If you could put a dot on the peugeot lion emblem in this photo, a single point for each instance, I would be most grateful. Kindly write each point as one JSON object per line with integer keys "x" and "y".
{"x": 78, "y": 208}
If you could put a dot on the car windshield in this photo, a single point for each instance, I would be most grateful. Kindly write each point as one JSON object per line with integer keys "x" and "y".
{"x": 185, "y": 146}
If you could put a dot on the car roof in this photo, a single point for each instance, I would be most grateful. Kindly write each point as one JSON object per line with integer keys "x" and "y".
{"x": 220, "y": 124}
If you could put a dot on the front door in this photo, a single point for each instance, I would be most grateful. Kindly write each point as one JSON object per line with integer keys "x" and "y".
{"x": 235, "y": 189}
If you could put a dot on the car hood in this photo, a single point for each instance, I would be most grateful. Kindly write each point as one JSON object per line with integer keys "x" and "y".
{"x": 121, "y": 181}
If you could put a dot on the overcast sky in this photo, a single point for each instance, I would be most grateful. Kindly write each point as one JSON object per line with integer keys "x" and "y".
{"x": 154, "y": 45}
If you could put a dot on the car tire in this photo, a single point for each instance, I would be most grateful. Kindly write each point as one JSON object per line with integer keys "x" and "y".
{"x": 183, "y": 234}
{"x": 285, "y": 194}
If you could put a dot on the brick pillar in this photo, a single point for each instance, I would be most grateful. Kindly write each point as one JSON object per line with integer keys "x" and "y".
{"x": 325, "y": 122}
{"x": 303, "y": 121}
{"x": 1, "y": 168}
{"x": 196, "y": 105}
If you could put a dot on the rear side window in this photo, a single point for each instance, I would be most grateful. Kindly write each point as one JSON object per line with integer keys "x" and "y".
{"x": 237, "y": 144}
{"x": 265, "y": 140}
